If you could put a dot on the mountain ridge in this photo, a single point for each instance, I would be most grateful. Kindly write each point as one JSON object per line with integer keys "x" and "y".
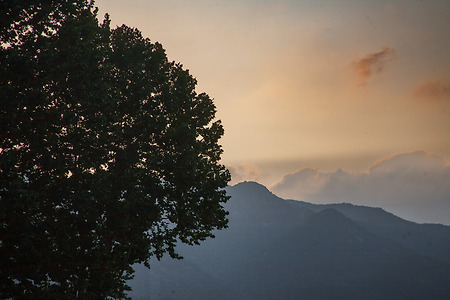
{"x": 285, "y": 249}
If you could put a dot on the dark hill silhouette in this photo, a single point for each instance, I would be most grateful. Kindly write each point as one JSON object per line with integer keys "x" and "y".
{"x": 426, "y": 239}
{"x": 283, "y": 249}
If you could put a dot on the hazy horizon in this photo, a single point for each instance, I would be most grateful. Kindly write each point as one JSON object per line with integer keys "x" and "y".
{"x": 314, "y": 94}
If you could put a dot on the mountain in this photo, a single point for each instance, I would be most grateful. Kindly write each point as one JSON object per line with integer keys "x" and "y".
{"x": 285, "y": 249}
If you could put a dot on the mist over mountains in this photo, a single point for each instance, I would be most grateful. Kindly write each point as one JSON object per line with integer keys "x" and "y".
{"x": 285, "y": 249}
{"x": 414, "y": 186}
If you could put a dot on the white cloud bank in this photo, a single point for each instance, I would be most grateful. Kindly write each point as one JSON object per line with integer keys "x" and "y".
{"x": 414, "y": 186}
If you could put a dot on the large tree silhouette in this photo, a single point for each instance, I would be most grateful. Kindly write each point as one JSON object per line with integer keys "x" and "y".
{"x": 108, "y": 156}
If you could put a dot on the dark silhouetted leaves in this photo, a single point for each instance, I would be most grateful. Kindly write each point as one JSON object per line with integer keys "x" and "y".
{"x": 108, "y": 156}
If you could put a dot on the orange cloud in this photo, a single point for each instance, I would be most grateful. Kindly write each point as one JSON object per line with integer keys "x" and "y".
{"x": 373, "y": 63}
{"x": 433, "y": 90}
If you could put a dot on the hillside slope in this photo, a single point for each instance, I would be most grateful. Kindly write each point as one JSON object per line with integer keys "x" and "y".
{"x": 280, "y": 249}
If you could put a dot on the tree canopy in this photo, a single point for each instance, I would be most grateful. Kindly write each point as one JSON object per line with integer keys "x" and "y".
{"x": 108, "y": 155}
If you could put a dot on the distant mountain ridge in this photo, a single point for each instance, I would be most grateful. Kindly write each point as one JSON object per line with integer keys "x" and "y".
{"x": 285, "y": 249}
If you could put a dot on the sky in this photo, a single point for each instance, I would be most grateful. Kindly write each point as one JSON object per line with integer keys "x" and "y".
{"x": 323, "y": 101}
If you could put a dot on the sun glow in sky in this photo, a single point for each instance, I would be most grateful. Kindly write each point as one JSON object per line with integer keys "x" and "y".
{"x": 319, "y": 84}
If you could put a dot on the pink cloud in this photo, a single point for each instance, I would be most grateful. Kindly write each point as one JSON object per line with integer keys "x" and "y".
{"x": 373, "y": 63}
{"x": 433, "y": 90}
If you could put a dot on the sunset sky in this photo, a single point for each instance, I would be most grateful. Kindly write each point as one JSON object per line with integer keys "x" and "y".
{"x": 310, "y": 92}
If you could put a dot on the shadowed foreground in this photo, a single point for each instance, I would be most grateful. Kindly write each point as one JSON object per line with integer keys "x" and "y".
{"x": 279, "y": 249}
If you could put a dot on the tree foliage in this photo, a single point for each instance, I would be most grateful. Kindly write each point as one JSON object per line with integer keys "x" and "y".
{"x": 108, "y": 156}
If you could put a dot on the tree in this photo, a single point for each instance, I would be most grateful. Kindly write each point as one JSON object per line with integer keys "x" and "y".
{"x": 108, "y": 156}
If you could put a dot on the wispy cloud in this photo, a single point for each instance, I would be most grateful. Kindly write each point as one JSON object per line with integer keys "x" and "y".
{"x": 244, "y": 172}
{"x": 304, "y": 182}
{"x": 433, "y": 90}
{"x": 414, "y": 185}
{"x": 373, "y": 63}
